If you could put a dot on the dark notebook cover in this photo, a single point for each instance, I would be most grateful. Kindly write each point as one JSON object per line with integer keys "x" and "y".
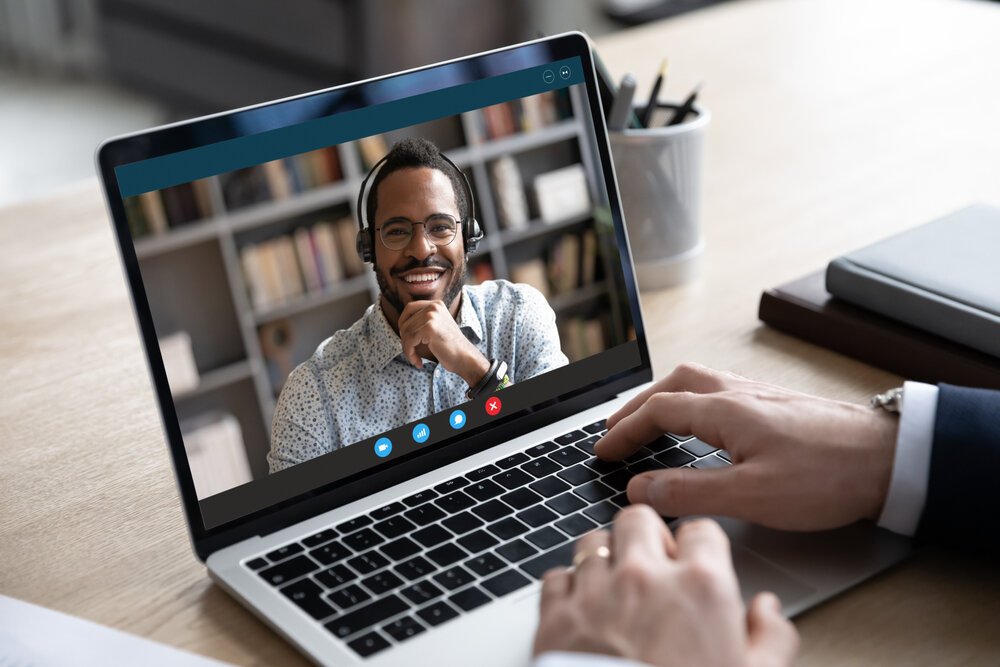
{"x": 805, "y": 309}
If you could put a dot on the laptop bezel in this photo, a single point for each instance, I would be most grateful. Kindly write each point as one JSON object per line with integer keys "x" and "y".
{"x": 219, "y": 127}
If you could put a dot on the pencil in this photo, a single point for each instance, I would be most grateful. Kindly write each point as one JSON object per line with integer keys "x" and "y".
{"x": 647, "y": 113}
{"x": 685, "y": 108}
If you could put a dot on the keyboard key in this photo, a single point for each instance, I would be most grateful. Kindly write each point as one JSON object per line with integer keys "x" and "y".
{"x": 567, "y": 503}
{"x": 432, "y": 535}
{"x": 724, "y": 454}
{"x": 572, "y": 436}
{"x": 338, "y": 575}
{"x": 348, "y": 596}
{"x": 507, "y": 528}
{"x": 506, "y": 582}
{"x": 542, "y": 467}
{"x": 455, "y": 502}
{"x": 618, "y": 480}
{"x": 424, "y": 514}
{"x": 319, "y": 538}
{"x": 363, "y": 539}
{"x": 437, "y": 613}
{"x": 603, "y": 467}
{"x": 697, "y": 447}
{"x": 645, "y": 465}
{"x": 596, "y": 427}
{"x": 517, "y": 550}
{"x": 567, "y": 456}
{"x": 674, "y": 458}
{"x": 421, "y": 592}
{"x": 477, "y": 541}
{"x": 559, "y": 557}
{"x": 285, "y": 571}
{"x": 484, "y": 490}
{"x": 575, "y": 525}
{"x": 594, "y": 491}
{"x": 415, "y": 568}
{"x": 469, "y": 599}
{"x": 709, "y": 462}
{"x": 420, "y": 498}
{"x": 403, "y": 628}
{"x": 492, "y": 510}
{"x": 306, "y": 594}
{"x": 354, "y": 524}
{"x": 368, "y": 644}
{"x": 512, "y": 479}
{"x": 482, "y": 473}
{"x": 537, "y": 516}
{"x": 587, "y": 445}
{"x": 545, "y": 538}
{"x": 603, "y": 513}
{"x": 284, "y": 552}
{"x": 446, "y": 554}
{"x": 386, "y": 511}
{"x": 621, "y": 500}
{"x": 661, "y": 444}
{"x": 462, "y": 523}
{"x": 399, "y": 549}
{"x": 512, "y": 460}
{"x": 368, "y": 615}
{"x": 256, "y": 563}
{"x": 550, "y": 486}
{"x": 578, "y": 474}
{"x": 383, "y": 582}
{"x": 680, "y": 438}
{"x": 542, "y": 449}
{"x": 484, "y": 564}
{"x": 643, "y": 453}
{"x": 454, "y": 578}
{"x": 444, "y": 488}
{"x": 368, "y": 562}
{"x": 394, "y": 527}
{"x": 521, "y": 498}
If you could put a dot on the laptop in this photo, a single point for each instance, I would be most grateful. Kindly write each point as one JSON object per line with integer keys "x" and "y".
{"x": 369, "y": 510}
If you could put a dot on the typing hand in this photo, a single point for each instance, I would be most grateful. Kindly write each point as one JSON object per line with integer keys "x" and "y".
{"x": 799, "y": 462}
{"x": 639, "y": 593}
{"x": 428, "y": 330}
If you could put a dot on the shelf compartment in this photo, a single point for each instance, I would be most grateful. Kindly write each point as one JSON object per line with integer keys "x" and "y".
{"x": 311, "y": 300}
{"x": 217, "y": 379}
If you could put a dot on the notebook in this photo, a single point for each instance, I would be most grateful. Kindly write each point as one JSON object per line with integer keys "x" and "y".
{"x": 420, "y": 447}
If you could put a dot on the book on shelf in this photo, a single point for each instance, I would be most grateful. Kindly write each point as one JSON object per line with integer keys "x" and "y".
{"x": 326, "y": 254}
{"x": 372, "y": 149}
{"x": 216, "y": 453}
{"x": 137, "y": 223}
{"x": 244, "y": 187}
{"x": 279, "y": 182}
{"x": 564, "y": 264}
{"x": 306, "y": 251}
{"x": 588, "y": 257}
{"x": 562, "y": 193}
{"x": 511, "y": 202}
{"x": 177, "y": 353}
{"x": 482, "y": 271}
{"x": 347, "y": 236}
{"x": 154, "y": 212}
{"x": 527, "y": 114}
{"x": 532, "y": 272}
{"x": 582, "y": 337}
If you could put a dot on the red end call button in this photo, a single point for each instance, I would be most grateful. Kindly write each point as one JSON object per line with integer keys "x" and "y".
{"x": 493, "y": 406}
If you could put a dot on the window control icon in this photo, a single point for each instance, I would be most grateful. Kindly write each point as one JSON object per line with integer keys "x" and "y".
{"x": 493, "y": 406}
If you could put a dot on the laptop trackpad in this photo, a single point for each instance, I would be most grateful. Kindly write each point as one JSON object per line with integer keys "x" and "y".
{"x": 757, "y": 575}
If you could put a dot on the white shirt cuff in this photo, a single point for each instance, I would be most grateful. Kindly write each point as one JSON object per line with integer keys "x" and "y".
{"x": 911, "y": 467}
{"x": 568, "y": 659}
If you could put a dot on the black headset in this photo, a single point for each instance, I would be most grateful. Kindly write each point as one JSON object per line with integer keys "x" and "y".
{"x": 472, "y": 233}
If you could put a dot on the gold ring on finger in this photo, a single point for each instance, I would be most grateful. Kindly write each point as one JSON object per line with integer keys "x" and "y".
{"x": 600, "y": 552}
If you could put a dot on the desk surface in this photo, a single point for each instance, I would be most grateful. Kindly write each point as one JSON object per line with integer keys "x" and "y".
{"x": 834, "y": 124}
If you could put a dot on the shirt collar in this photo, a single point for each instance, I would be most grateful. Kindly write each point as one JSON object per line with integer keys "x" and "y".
{"x": 468, "y": 319}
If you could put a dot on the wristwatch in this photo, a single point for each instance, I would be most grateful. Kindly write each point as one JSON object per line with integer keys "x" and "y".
{"x": 497, "y": 372}
{"x": 891, "y": 401}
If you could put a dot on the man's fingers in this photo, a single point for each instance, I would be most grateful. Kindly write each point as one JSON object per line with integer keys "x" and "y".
{"x": 556, "y": 585}
{"x": 663, "y": 413}
{"x": 704, "y": 541}
{"x": 772, "y": 639}
{"x": 688, "y": 377}
{"x": 689, "y": 491}
{"x": 639, "y": 532}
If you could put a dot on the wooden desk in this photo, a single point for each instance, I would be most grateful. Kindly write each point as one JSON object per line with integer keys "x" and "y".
{"x": 834, "y": 123}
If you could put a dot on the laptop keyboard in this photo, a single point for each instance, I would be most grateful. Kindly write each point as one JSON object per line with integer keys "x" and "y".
{"x": 392, "y": 573}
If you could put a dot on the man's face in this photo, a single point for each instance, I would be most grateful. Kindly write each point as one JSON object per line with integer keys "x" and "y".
{"x": 421, "y": 270}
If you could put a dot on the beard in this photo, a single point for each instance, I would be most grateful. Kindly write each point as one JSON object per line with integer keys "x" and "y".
{"x": 451, "y": 292}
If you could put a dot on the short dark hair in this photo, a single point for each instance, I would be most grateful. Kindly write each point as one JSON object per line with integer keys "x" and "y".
{"x": 414, "y": 152}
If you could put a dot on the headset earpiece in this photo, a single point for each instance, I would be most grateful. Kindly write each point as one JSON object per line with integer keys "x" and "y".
{"x": 365, "y": 246}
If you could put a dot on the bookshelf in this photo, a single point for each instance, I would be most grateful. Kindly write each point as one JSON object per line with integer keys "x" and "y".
{"x": 222, "y": 270}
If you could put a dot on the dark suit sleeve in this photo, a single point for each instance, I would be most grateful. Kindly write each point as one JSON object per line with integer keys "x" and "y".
{"x": 963, "y": 492}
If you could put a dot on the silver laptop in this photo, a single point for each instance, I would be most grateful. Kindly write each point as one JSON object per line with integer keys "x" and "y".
{"x": 385, "y": 323}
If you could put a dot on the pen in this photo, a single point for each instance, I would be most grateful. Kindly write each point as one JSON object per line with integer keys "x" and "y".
{"x": 622, "y": 106}
{"x": 684, "y": 109}
{"x": 648, "y": 111}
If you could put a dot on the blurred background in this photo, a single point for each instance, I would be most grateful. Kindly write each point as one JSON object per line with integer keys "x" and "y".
{"x": 74, "y": 72}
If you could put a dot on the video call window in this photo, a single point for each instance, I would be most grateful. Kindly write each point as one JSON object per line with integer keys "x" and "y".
{"x": 263, "y": 307}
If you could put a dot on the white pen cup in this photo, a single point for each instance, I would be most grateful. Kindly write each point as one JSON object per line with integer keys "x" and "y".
{"x": 659, "y": 171}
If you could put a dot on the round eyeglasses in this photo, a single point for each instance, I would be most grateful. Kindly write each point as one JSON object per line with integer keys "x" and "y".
{"x": 397, "y": 233}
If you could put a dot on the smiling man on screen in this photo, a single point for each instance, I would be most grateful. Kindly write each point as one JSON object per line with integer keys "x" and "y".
{"x": 430, "y": 341}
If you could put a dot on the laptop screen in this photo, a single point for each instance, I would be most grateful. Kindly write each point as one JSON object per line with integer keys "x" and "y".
{"x": 346, "y": 280}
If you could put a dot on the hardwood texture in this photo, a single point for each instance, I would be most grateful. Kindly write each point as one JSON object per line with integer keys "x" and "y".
{"x": 835, "y": 123}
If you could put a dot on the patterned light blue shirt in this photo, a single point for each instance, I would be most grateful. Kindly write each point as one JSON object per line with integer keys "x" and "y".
{"x": 358, "y": 383}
